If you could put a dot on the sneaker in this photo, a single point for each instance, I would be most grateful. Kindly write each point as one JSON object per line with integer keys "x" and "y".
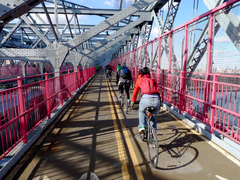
{"x": 141, "y": 130}
{"x": 120, "y": 96}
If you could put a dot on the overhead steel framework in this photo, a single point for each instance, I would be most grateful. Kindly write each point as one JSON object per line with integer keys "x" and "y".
{"x": 30, "y": 30}
{"x": 34, "y": 33}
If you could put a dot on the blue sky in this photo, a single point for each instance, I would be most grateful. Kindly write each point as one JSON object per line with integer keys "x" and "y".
{"x": 185, "y": 12}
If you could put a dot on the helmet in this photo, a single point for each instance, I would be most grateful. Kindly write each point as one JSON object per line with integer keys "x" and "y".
{"x": 145, "y": 70}
{"x": 140, "y": 71}
{"x": 123, "y": 65}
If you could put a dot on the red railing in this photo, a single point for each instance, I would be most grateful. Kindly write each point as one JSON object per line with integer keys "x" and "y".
{"x": 24, "y": 107}
{"x": 212, "y": 98}
{"x": 8, "y": 71}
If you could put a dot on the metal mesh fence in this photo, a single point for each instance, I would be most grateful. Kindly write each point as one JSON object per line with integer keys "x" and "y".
{"x": 226, "y": 56}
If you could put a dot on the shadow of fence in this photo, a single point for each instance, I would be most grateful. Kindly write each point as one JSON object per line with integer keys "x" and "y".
{"x": 175, "y": 150}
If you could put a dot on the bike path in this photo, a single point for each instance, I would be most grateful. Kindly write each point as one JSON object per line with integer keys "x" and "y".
{"x": 96, "y": 139}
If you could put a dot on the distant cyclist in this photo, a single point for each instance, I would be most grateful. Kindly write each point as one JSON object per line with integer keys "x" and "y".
{"x": 108, "y": 70}
{"x": 119, "y": 67}
{"x": 97, "y": 68}
{"x": 124, "y": 77}
{"x": 149, "y": 97}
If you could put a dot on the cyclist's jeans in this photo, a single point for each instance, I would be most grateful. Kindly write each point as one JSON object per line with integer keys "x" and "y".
{"x": 146, "y": 102}
{"x": 127, "y": 87}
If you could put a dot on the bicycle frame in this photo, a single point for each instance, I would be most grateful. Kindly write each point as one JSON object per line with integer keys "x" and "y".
{"x": 151, "y": 137}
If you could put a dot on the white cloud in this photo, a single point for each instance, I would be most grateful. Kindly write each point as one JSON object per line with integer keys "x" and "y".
{"x": 154, "y": 32}
{"x": 165, "y": 7}
{"x": 110, "y": 3}
{"x": 82, "y": 19}
{"x": 221, "y": 39}
{"x": 115, "y": 3}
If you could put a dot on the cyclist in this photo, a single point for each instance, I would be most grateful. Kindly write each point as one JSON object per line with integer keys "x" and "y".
{"x": 119, "y": 67}
{"x": 108, "y": 70}
{"x": 97, "y": 68}
{"x": 124, "y": 77}
{"x": 149, "y": 97}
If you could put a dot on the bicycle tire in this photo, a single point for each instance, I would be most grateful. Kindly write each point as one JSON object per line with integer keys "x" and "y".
{"x": 122, "y": 100}
{"x": 125, "y": 105}
{"x": 152, "y": 144}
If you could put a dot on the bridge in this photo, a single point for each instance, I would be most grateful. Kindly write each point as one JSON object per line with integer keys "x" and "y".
{"x": 61, "y": 119}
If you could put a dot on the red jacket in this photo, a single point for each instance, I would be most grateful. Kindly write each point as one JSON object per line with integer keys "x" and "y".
{"x": 136, "y": 88}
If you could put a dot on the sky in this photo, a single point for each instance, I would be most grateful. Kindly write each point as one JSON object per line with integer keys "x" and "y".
{"x": 185, "y": 12}
{"x": 188, "y": 10}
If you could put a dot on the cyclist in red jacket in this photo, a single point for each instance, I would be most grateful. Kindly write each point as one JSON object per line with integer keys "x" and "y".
{"x": 147, "y": 99}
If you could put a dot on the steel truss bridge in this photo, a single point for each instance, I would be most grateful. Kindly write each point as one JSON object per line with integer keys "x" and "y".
{"x": 33, "y": 41}
{"x": 29, "y": 32}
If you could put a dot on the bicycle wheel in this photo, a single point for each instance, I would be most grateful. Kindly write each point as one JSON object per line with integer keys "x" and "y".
{"x": 125, "y": 105}
{"x": 122, "y": 100}
{"x": 152, "y": 146}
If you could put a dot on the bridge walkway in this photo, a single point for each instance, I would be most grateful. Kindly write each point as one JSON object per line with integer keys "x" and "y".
{"x": 96, "y": 137}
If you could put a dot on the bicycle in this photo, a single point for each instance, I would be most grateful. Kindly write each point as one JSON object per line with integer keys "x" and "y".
{"x": 109, "y": 76}
{"x": 150, "y": 136}
{"x": 124, "y": 102}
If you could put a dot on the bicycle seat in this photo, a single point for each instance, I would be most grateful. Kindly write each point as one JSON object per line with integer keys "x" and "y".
{"x": 150, "y": 109}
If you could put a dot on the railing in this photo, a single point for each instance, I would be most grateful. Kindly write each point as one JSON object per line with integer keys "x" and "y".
{"x": 14, "y": 70}
{"x": 213, "y": 102}
{"x": 24, "y": 107}
{"x": 212, "y": 98}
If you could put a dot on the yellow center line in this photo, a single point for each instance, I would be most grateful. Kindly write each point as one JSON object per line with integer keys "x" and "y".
{"x": 135, "y": 162}
{"x": 121, "y": 153}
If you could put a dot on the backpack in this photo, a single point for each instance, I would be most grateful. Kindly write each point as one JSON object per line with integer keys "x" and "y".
{"x": 124, "y": 72}
{"x": 109, "y": 69}
{"x": 148, "y": 85}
